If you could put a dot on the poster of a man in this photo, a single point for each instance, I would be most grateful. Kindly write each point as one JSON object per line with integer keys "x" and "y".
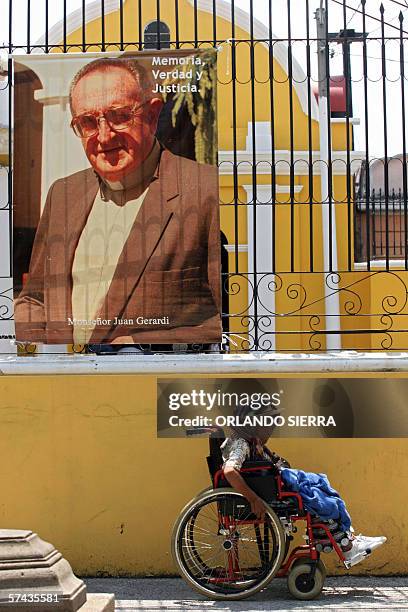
{"x": 127, "y": 249}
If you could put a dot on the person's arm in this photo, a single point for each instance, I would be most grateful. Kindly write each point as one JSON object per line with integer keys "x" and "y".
{"x": 238, "y": 483}
{"x": 236, "y": 452}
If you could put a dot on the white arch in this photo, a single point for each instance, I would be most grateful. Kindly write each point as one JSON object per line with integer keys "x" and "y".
{"x": 242, "y": 20}
{"x": 74, "y": 20}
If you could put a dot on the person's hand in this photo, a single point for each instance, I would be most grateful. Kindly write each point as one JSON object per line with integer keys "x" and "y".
{"x": 123, "y": 340}
{"x": 257, "y": 506}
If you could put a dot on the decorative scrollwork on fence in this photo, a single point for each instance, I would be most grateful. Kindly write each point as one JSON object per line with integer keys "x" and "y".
{"x": 26, "y": 348}
{"x": 353, "y": 302}
{"x": 290, "y": 312}
{"x": 6, "y": 304}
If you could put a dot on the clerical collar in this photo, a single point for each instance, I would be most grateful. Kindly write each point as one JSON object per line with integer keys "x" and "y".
{"x": 136, "y": 181}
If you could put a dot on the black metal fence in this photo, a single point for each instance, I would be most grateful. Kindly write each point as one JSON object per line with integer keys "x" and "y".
{"x": 334, "y": 237}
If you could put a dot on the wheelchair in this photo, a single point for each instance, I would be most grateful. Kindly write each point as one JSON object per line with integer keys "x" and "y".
{"x": 225, "y": 552}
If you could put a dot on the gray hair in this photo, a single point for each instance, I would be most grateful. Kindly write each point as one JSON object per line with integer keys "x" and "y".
{"x": 141, "y": 76}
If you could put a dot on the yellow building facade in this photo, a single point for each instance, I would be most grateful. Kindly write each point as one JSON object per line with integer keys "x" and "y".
{"x": 272, "y": 218}
{"x": 81, "y": 462}
{"x": 83, "y": 467}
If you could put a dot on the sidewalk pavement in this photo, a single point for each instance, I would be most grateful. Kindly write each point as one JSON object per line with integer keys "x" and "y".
{"x": 173, "y": 594}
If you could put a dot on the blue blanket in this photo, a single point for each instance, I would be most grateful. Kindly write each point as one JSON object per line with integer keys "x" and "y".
{"x": 318, "y": 495}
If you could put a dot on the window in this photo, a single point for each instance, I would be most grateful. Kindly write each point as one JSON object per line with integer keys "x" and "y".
{"x": 380, "y": 215}
{"x": 151, "y": 35}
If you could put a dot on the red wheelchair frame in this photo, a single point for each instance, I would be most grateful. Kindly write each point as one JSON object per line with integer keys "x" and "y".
{"x": 232, "y": 579}
{"x": 307, "y": 551}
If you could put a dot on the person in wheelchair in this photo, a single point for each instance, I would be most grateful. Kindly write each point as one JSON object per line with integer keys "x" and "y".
{"x": 318, "y": 496}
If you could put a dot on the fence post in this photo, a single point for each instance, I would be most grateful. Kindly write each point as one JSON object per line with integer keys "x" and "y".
{"x": 332, "y": 302}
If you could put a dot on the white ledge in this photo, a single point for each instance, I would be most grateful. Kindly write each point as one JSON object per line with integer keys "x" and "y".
{"x": 381, "y": 264}
{"x": 352, "y": 120}
{"x": 269, "y": 363}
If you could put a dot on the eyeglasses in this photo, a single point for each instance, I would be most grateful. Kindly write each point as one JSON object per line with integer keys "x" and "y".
{"x": 118, "y": 118}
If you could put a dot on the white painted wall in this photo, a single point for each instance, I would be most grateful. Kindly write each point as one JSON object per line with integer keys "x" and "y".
{"x": 62, "y": 152}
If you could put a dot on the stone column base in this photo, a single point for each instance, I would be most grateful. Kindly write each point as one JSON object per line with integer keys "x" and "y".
{"x": 32, "y": 571}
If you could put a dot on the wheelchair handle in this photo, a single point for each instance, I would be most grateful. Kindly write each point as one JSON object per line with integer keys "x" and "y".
{"x": 199, "y": 431}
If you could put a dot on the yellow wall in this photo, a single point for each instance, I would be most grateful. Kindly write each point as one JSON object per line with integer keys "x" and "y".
{"x": 81, "y": 465}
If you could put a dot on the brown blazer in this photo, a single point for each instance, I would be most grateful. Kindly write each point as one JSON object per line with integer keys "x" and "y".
{"x": 169, "y": 267}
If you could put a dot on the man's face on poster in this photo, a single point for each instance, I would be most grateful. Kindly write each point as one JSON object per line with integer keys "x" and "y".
{"x": 115, "y": 153}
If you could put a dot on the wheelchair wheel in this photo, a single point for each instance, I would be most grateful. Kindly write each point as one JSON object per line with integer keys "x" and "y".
{"x": 300, "y": 583}
{"x": 203, "y": 491}
{"x": 222, "y": 550}
{"x": 320, "y": 565}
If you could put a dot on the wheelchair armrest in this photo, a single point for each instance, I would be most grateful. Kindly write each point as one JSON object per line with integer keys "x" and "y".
{"x": 260, "y": 465}
{"x": 260, "y": 476}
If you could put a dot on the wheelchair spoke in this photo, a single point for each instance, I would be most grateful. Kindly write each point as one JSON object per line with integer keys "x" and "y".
{"x": 205, "y": 531}
{"x": 208, "y": 559}
{"x": 203, "y": 545}
{"x": 224, "y": 548}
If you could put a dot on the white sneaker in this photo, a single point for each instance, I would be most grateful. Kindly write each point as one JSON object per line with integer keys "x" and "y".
{"x": 362, "y": 546}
